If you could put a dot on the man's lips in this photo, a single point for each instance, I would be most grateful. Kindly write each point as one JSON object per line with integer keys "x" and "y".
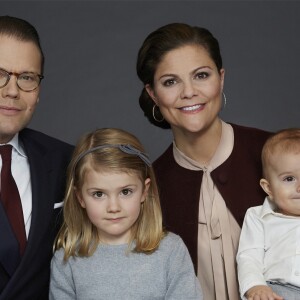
{"x": 9, "y": 110}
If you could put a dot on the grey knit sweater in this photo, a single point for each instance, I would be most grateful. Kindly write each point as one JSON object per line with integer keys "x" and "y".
{"x": 111, "y": 274}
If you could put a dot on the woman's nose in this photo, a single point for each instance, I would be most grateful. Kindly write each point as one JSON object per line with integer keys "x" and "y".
{"x": 188, "y": 90}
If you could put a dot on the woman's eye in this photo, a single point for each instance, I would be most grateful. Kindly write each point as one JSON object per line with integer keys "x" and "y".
{"x": 289, "y": 178}
{"x": 169, "y": 82}
{"x": 98, "y": 194}
{"x": 126, "y": 192}
{"x": 201, "y": 75}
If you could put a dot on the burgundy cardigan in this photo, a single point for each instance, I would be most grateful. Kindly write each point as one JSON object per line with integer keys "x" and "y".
{"x": 237, "y": 180}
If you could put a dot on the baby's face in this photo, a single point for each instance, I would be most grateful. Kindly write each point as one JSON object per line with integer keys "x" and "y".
{"x": 284, "y": 183}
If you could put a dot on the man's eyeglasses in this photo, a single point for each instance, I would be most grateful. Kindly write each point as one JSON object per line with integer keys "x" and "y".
{"x": 26, "y": 81}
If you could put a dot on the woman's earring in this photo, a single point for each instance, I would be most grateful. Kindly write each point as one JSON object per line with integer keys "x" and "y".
{"x": 158, "y": 111}
{"x": 225, "y": 100}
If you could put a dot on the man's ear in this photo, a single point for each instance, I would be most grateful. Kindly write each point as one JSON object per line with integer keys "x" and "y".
{"x": 151, "y": 93}
{"x": 264, "y": 183}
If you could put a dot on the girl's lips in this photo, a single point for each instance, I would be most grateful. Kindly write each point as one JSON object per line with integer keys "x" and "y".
{"x": 115, "y": 220}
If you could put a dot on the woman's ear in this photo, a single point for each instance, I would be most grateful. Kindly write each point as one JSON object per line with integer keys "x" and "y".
{"x": 222, "y": 75}
{"x": 151, "y": 93}
{"x": 264, "y": 183}
{"x": 146, "y": 189}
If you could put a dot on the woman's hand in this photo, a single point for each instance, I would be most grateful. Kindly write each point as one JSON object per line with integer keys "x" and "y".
{"x": 262, "y": 292}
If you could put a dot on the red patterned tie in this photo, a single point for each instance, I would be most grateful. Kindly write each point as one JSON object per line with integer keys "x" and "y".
{"x": 11, "y": 199}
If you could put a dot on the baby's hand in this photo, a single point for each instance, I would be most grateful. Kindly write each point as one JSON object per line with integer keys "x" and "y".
{"x": 262, "y": 292}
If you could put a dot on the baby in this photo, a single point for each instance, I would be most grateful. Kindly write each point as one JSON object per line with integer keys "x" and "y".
{"x": 269, "y": 251}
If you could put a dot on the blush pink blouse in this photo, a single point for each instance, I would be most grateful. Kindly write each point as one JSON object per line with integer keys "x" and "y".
{"x": 218, "y": 231}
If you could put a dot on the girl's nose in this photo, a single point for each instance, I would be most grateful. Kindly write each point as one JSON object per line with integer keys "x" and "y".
{"x": 113, "y": 205}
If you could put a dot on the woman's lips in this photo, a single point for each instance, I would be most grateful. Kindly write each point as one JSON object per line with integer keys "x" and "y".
{"x": 192, "y": 108}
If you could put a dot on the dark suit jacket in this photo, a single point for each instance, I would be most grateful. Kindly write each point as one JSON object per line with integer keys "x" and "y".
{"x": 48, "y": 160}
{"x": 237, "y": 179}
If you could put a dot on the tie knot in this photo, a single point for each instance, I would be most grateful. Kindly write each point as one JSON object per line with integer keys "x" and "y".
{"x": 5, "y": 152}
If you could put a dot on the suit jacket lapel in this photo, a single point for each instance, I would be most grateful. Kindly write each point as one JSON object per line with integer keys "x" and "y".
{"x": 39, "y": 172}
{"x": 9, "y": 251}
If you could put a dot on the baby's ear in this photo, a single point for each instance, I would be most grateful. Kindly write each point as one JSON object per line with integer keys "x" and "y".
{"x": 264, "y": 183}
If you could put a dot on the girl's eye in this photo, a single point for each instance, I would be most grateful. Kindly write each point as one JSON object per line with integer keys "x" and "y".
{"x": 98, "y": 194}
{"x": 289, "y": 178}
{"x": 169, "y": 82}
{"x": 126, "y": 192}
{"x": 201, "y": 75}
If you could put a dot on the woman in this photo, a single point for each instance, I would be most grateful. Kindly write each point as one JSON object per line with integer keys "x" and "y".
{"x": 210, "y": 175}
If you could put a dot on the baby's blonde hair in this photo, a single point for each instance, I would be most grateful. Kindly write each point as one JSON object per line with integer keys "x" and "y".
{"x": 283, "y": 141}
{"x": 78, "y": 236}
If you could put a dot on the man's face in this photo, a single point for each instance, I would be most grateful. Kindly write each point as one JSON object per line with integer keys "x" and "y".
{"x": 17, "y": 106}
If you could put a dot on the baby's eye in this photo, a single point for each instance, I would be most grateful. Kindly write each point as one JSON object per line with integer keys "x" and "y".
{"x": 289, "y": 178}
{"x": 126, "y": 192}
{"x": 169, "y": 82}
{"x": 201, "y": 75}
{"x": 98, "y": 194}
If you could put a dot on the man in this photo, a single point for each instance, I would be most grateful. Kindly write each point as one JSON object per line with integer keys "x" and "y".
{"x": 38, "y": 166}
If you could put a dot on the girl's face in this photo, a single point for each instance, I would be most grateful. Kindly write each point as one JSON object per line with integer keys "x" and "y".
{"x": 188, "y": 89}
{"x": 113, "y": 201}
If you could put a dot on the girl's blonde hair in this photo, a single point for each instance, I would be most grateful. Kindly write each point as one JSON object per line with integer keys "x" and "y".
{"x": 78, "y": 236}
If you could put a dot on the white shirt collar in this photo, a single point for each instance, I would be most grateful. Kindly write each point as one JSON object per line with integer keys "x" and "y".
{"x": 268, "y": 208}
{"x": 17, "y": 145}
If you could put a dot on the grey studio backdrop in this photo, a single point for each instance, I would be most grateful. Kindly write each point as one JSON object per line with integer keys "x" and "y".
{"x": 91, "y": 49}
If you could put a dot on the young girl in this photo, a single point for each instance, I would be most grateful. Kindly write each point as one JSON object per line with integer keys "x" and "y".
{"x": 112, "y": 244}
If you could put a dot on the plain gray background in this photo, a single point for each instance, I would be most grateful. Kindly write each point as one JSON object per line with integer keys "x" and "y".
{"x": 91, "y": 49}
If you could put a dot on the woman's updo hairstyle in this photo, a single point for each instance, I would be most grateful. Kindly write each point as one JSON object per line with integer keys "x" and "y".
{"x": 158, "y": 44}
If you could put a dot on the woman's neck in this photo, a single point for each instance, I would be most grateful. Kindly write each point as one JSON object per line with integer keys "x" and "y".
{"x": 199, "y": 146}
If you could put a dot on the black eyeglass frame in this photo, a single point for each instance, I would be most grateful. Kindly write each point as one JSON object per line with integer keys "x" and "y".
{"x": 17, "y": 77}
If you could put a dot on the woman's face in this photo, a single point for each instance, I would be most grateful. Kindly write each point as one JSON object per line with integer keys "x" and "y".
{"x": 188, "y": 89}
